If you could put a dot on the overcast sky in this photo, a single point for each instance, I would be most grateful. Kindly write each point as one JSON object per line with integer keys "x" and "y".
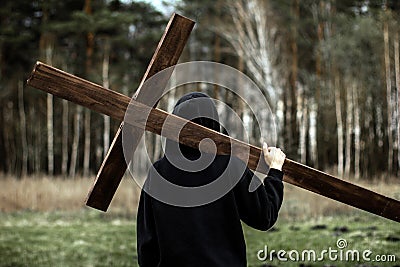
{"x": 160, "y": 6}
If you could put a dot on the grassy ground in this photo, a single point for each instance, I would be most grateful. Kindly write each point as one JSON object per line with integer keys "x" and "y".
{"x": 66, "y": 239}
{"x": 43, "y": 222}
{"x": 90, "y": 238}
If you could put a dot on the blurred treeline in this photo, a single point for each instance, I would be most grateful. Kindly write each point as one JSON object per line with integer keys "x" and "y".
{"x": 329, "y": 69}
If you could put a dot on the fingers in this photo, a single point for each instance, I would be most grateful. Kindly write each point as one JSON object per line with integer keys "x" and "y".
{"x": 265, "y": 147}
{"x": 273, "y": 156}
{"x": 269, "y": 150}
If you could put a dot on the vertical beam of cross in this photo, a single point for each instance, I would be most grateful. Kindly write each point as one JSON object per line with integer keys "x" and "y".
{"x": 114, "y": 165}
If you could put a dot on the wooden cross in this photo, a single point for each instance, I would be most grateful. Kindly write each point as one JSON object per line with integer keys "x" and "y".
{"x": 113, "y": 104}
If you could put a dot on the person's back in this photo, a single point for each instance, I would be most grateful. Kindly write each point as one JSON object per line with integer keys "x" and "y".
{"x": 178, "y": 231}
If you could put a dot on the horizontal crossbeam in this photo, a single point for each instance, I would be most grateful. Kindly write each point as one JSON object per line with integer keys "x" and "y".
{"x": 102, "y": 100}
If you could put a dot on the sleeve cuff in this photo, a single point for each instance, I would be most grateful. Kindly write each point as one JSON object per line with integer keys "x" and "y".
{"x": 275, "y": 173}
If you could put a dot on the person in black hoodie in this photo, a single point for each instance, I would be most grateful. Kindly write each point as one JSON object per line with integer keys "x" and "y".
{"x": 207, "y": 234}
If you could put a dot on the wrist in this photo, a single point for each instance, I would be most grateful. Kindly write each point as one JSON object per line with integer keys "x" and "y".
{"x": 275, "y": 166}
{"x": 275, "y": 173}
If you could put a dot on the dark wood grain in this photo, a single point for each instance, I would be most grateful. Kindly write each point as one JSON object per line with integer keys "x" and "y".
{"x": 111, "y": 103}
{"x": 115, "y": 163}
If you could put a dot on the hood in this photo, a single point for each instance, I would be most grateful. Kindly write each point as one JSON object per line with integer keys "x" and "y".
{"x": 199, "y": 108}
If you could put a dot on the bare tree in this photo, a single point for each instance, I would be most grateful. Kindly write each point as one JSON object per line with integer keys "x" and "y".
{"x": 339, "y": 122}
{"x": 35, "y": 146}
{"x": 357, "y": 133}
{"x": 89, "y": 54}
{"x": 75, "y": 142}
{"x": 64, "y": 157}
{"x": 86, "y": 151}
{"x": 252, "y": 37}
{"x": 50, "y": 127}
{"x": 293, "y": 77}
{"x": 46, "y": 49}
{"x": 304, "y": 130}
{"x": 397, "y": 70}
{"x": 106, "y": 84}
{"x": 349, "y": 129}
{"x": 314, "y": 109}
{"x": 8, "y": 119}
{"x": 388, "y": 95}
{"x": 22, "y": 125}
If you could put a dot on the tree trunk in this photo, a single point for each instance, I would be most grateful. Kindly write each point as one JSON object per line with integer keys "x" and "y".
{"x": 50, "y": 135}
{"x": 39, "y": 151}
{"x": 75, "y": 142}
{"x": 240, "y": 109}
{"x": 106, "y": 84}
{"x": 22, "y": 125}
{"x": 339, "y": 122}
{"x": 318, "y": 70}
{"x": 35, "y": 140}
{"x": 397, "y": 69}
{"x": 64, "y": 159}
{"x": 286, "y": 119}
{"x": 308, "y": 141}
{"x": 294, "y": 131}
{"x": 349, "y": 129}
{"x": 106, "y": 135}
{"x": 89, "y": 54}
{"x": 30, "y": 136}
{"x": 303, "y": 128}
{"x": 357, "y": 134}
{"x": 9, "y": 135}
{"x": 86, "y": 152}
{"x": 217, "y": 58}
{"x": 50, "y": 123}
{"x": 46, "y": 49}
{"x": 388, "y": 96}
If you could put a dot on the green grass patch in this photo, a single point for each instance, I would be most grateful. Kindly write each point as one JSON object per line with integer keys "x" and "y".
{"x": 67, "y": 239}
{"x": 91, "y": 238}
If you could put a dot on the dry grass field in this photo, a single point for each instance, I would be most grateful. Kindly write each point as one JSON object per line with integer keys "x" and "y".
{"x": 57, "y": 193}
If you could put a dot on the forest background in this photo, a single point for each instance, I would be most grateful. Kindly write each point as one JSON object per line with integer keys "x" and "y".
{"x": 330, "y": 70}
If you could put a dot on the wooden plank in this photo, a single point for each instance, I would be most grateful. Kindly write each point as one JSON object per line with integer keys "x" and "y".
{"x": 111, "y": 103}
{"x": 114, "y": 165}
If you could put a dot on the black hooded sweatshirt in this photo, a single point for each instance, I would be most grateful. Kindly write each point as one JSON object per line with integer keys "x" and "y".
{"x": 211, "y": 234}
